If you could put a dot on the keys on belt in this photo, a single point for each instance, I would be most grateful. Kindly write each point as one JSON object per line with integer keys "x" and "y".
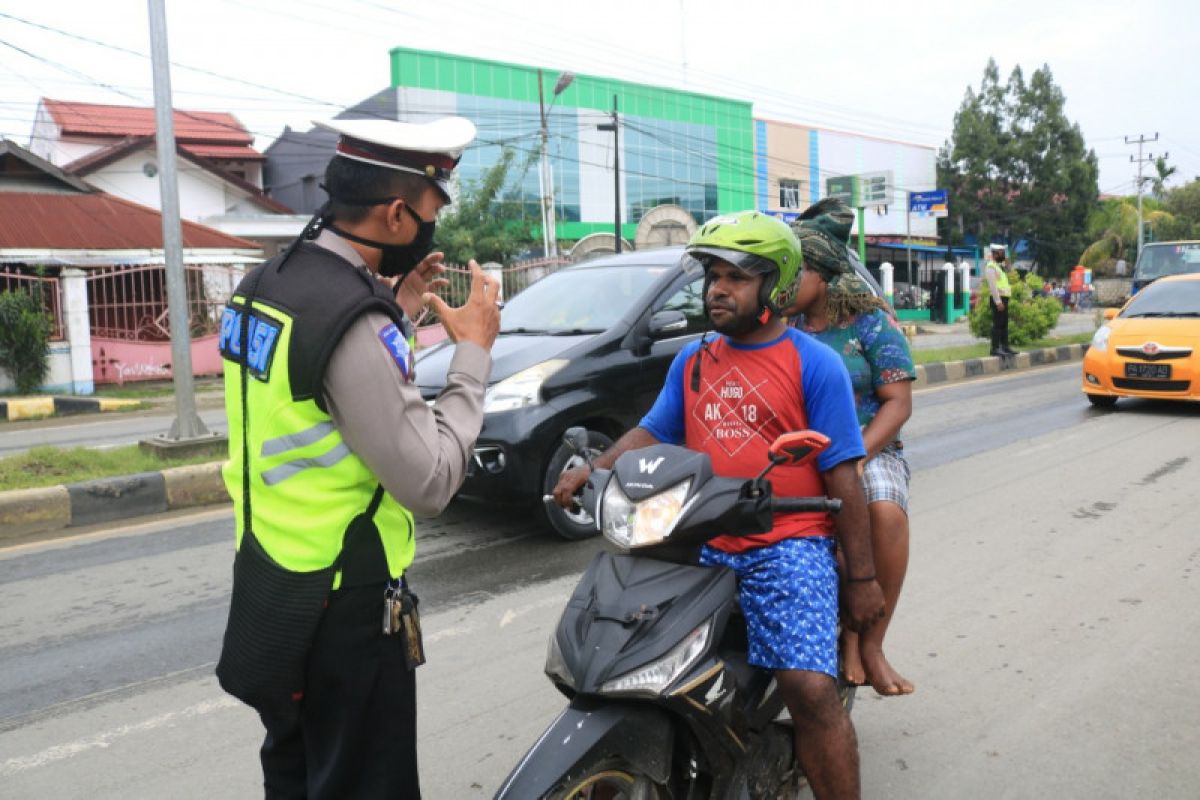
{"x": 400, "y": 617}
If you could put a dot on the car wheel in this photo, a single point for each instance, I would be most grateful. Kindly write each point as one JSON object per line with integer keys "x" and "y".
{"x": 1102, "y": 400}
{"x": 571, "y": 523}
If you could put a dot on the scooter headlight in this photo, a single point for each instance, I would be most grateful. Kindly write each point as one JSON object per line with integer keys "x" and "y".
{"x": 653, "y": 679}
{"x": 632, "y": 524}
{"x": 556, "y": 665}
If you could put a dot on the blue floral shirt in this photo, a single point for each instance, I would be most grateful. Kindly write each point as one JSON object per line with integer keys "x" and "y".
{"x": 875, "y": 352}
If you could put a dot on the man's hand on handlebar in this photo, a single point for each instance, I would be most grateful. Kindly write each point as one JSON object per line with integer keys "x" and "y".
{"x": 568, "y": 484}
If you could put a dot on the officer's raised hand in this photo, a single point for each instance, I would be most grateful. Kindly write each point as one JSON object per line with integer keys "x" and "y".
{"x": 478, "y": 319}
{"x": 425, "y": 278}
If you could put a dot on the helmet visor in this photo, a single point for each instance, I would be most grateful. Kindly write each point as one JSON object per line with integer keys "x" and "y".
{"x": 698, "y": 259}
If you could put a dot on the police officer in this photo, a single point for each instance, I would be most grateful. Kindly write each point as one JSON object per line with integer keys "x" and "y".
{"x": 995, "y": 273}
{"x": 333, "y": 451}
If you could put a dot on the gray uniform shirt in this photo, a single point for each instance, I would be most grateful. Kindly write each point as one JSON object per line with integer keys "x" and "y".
{"x": 418, "y": 452}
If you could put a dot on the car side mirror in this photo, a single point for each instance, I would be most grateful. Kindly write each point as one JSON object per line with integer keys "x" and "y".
{"x": 667, "y": 323}
{"x": 1111, "y": 313}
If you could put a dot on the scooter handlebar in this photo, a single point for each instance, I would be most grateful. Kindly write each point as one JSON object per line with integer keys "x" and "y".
{"x": 831, "y": 504}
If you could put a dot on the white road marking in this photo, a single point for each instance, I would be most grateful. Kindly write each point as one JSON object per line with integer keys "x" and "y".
{"x": 106, "y": 739}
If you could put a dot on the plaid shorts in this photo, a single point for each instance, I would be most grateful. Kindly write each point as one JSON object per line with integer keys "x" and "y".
{"x": 886, "y": 476}
{"x": 789, "y": 595}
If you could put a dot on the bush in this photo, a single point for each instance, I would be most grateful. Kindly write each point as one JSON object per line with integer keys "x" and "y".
{"x": 1030, "y": 315}
{"x": 24, "y": 339}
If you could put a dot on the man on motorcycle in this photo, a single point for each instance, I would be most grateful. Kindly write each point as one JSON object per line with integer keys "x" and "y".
{"x": 729, "y": 396}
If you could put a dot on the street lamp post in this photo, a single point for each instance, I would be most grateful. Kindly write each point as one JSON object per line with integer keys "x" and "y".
{"x": 549, "y": 235}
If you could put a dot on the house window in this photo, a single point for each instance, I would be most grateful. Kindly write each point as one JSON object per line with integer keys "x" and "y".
{"x": 789, "y": 193}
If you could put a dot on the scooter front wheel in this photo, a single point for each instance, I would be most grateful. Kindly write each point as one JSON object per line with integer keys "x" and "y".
{"x": 608, "y": 779}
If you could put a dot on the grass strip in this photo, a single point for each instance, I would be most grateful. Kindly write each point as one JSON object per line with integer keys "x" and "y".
{"x": 48, "y": 466}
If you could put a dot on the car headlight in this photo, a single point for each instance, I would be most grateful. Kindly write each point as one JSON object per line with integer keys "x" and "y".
{"x": 629, "y": 524}
{"x": 1100, "y": 338}
{"x": 522, "y": 389}
{"x": 654, "y": 678}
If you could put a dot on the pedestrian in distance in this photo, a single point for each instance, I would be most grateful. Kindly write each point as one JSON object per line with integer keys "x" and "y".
{"x": 332, "y": 451}
{"x": 995, "y": 275}
{"x": 835, "y": 306}
{"x": 730, "y": 396}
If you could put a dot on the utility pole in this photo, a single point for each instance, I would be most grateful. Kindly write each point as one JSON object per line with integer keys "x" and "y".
{"x": 549, "y": 234}
{"x": 1140, "y": 141}
{"x": 614, "y": 127}
{"x": 187, "y": 427}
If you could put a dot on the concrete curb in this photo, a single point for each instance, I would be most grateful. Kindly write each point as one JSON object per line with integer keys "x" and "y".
{"x": 949, "y": 371}
{"x": 30, "y": 511}
{"x": 15, "y": 408}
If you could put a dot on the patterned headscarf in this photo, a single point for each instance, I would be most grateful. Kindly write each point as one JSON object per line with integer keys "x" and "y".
{"x": 823, "y": 230}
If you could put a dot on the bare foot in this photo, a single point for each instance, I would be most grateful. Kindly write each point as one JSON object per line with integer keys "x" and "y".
{"x": 852, "y": 666}
{"x": 879, "y": 673}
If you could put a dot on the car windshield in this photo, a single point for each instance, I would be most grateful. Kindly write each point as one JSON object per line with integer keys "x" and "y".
{"x": 1160, "y": 260}
{"x": 1166, "y": 299}
{"x": 585, "y": 300}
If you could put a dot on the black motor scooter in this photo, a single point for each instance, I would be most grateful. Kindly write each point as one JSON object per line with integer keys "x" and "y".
{"x": 651, "y": 649}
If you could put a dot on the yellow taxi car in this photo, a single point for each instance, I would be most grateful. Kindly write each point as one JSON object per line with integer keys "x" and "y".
{"x": 1150, "y": 348}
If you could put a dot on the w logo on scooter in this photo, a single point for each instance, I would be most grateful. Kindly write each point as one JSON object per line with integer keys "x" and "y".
{"x": 648, "y": 467}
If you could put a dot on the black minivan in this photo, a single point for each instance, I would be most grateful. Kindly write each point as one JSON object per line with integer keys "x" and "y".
{"x": 588, "y": 345}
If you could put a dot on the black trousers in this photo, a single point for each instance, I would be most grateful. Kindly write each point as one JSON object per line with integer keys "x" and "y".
{"x": 357, "y": 734}
{"x": 1000, "y": 325}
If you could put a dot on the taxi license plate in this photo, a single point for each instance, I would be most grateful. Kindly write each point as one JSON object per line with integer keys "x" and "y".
{"x": 1158, "y": 372}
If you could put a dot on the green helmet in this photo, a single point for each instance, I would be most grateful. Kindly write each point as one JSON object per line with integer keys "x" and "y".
{"x": 754, "y": 242}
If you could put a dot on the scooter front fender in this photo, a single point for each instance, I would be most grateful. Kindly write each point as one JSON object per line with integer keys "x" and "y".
{"x": 588, "y": 730}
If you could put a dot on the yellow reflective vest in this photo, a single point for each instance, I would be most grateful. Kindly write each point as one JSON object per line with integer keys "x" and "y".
{"x": 306, "y": 486}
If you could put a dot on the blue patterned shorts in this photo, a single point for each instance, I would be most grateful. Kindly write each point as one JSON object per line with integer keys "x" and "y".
{"x": 789, "y": 595}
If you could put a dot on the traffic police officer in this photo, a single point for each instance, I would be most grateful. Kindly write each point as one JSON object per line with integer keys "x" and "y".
{"x": 995, "y": 273}
{"x": 332, "y": 452}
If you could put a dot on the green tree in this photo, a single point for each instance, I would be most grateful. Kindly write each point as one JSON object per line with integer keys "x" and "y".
{"x": 1184, "y": 203}
{"x": 489, "y": 221}
{"x": 24, "y": 338}
{"x": 1158, "y": 183}
{"x": 1017, "y": 169}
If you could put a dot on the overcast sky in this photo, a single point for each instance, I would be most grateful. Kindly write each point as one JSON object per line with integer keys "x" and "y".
{"x": 892, "y": 69}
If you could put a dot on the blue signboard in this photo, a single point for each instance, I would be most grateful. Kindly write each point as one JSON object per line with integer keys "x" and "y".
{"x": 925, "y": 204}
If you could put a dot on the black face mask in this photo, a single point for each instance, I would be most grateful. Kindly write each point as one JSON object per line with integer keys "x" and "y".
{"x": 398, "y": 259}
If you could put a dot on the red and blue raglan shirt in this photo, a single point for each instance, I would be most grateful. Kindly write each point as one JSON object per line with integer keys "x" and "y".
{"x": 745, "y": 397}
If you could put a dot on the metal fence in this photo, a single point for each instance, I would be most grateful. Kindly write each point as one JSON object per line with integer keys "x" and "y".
{"x": 45, "y": 289}
{"x": 131, "y": 302}
{"x": 513, "y": 279}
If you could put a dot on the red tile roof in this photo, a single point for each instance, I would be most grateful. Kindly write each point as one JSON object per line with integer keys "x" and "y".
{"x": 224, "y": 152}
{"x": 33, "y": 221}
{"x": 93, "y": 119}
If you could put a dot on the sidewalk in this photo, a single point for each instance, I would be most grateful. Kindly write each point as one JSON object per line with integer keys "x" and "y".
{"x": 27, "y": 512}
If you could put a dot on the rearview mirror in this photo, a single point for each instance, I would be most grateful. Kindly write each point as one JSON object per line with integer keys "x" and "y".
{"x": 798, "y": 447}
{"x": 576, "y": 438}
{"x": 667, "y": 323}
{"x": 1111, "y": 313}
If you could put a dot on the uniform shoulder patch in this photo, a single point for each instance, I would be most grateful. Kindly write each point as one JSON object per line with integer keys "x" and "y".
{"x": 397, "y": 347}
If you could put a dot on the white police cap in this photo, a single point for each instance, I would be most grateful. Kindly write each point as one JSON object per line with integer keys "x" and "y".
{"x": 998, "y": 246}
{"x": 432, "y": 149}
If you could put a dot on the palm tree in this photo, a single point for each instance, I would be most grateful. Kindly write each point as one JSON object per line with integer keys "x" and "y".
{"x": 1158, "y": 186}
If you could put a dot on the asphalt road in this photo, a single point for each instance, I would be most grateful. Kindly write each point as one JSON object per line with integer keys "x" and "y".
{"x": 103, "y": 431}
{"x": 1046, "y": 622}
